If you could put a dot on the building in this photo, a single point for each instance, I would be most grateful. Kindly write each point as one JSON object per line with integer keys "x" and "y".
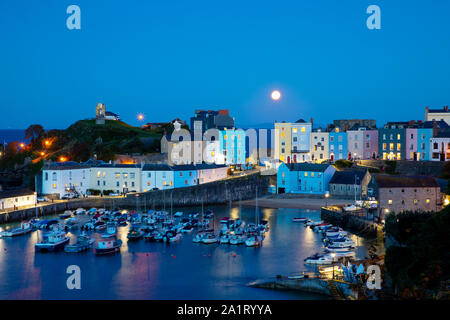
{"x": 319, "y": 146}
{"x": 120, "y": 178}
{"x": 231, "y": 147}
{"x": 305, "y": 178}
{"x": 60, "y": 178}
{"x": 157, "y": 176}
{"x": 350, "y": 184}
{"x": 338, "y": 145}
{"x": 111, "y": 116}
{"x": 347, "y": 124}
{"x": 204, "y": 120}
{"x": 440, "y": 147}
{"x": 14, "y": 199}
{"x": 292, "y": 141}
{"x": 404, "y": 193}
{"x": 184, "y": 149}
{"x": 392, "y": 140}
{"x": 185, "y": 175}
{"x": 362, "y": 143}
{"x": 211, "y": 172}
{"x": 437, "y": 114}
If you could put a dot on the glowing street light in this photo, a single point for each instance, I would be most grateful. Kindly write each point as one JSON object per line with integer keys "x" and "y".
{"x": 22, "y": 145}
{"x": 140, "y": 118}
{"x": 62, "y": 159}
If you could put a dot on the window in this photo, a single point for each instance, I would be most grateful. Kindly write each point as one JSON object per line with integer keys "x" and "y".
{"x": 306, "y": 174}
{"x": 312, "y": 174}
{"x": 399, "y": 146}
{"x": 181, "y": 174}
{"x": 117, "y": 175}
{"x": 118, "y": 184}
{"x": 132, "y": 175}
{"x": 104, "y": 182}
{"x": 125, "y": 175}
{"x": 132, "y": 183}
{"x": 390, "y": 201}
{"x": 428, "y": 200}
{"x": 398, "y": 136}
{"x": 416, "y": 201}
{"x": 98, "y": 182}
{"x": 54, "y": 186}
{"x": 54, "y": 176}
{"x": 391, "y": 146}
{"x": 98, "y": 174}
{"x": 331, "y": 138}
{"x": 294, "y": 139}
{"x": 303, "y": 129}
{"x": 185, "y": 182}
{"x": 148, "y": 183}
{"x": 294, "y": 130}
{"x": 384, "y": 146}
{"x": 340, "y": 138}
{"x": 46, "y": 176}
{"x": 190, "y": 173}
{"x": 149, "y": 175}
{"x": 283, "y": 135}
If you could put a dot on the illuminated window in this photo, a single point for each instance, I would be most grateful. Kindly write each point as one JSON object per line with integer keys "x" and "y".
{"x": 399, "y": 146}
{"x": 416, "y": 201}
{"x": 104, "y": 174}
{"x": 312, "y": 174}
{"x": 225, "y": 137}
{"x": 98, "y": 174}
{"x": 294, "y": 130}
{"x": 164, "y": 183}
{"x": 428, "y": 200}
{"x": 303, "y": 129}
{"x": 54, "y": 186}
{"x": 283, "y": 135}
{"x": 117, "y": 175}
{"x": 391, "y": 146}
{"x": 390, "y": 201}
{"x": 170, "y": 182}
{"x": 306, "y": 174}
{"x": 398, "y": 136}
{"x": 148, "y": 183}
{"x": 283, "y": 174}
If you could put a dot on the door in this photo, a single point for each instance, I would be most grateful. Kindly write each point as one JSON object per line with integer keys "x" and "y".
{"x": 281, "y": 190}
{"x": 332, "y": 158}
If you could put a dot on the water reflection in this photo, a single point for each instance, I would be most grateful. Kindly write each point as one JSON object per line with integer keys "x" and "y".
{"x": 183, "y": 270}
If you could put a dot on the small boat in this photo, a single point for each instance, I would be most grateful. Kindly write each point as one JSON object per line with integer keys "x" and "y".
{"x": 208, "y": 214}
{"x": 178, "y": 214}
{"x": 65, "y": 215}
{"x": 237, "y": 239}
{"x": 225, "y": 239}
{"x": 253, "y": 241}
{"x": 319, "y": 259}
{"x": 198, "y": 237}
{"x": 187, "y": 228}
{"x": 54, "y": 241}
{"x": 225, "y": 220}
{"x": 100, "y": 225}
{"x": 110, "y": 230}
{"x": 83, "y": 243}
{"x": 151, "y": 236}
{"x": 71, "y": 224}
{"x": 210, "y": 238}
{"x": 313, "y": 223}
{"x": 25, "y": 227}
{"x": 92, "y": 211}
{"x": 108, "y": 246}
{"x": 80, "y": 211}
{"x": 172, "y": 236}
{"x": 135, "y": 234}
{"x": 299, "y": 220}
{"x": 296, "y": 276}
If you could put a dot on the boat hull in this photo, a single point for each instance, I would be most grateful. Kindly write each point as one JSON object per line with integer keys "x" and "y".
{"x": 51, "y": 247}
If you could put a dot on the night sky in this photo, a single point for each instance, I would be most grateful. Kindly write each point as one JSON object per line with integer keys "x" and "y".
{"x": 167, "y": 58}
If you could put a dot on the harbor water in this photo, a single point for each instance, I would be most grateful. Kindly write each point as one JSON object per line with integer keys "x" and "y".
{"x": 182, "y": 270}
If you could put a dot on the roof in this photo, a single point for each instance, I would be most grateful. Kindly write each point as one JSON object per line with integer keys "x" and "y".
{"x": 116, "y": 165}
{"x": 109, "y": 113}
{"x": 348, "y": 177}
{"x": 68, "y": 165}
{"x": 430, "y": 124}
{"x": 156, "y": 167}
{"x": 205, "y": 166}
{"x": 312, "y": 167}
{"x": 15, "y": 193}
{"x": 300, "y": 121}
{"x": 442, "y": 110}
{"x": 403, "y": 181}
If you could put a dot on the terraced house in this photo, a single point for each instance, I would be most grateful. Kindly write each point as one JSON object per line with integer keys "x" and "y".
{"x": 292, "y": 141}
{"x": 338, "y": 145}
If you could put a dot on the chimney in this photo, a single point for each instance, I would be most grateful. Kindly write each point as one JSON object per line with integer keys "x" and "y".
{"x": 435, "y": 128}
{"x": 311, "y": 120}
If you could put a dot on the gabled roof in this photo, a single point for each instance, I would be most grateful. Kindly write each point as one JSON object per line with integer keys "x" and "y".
{"x": 156, "y": 167}
{"x": 348, "y": 177}
{"x": 312, "y": 167}
{"x": 184, "y": 167}
{"x": 300, "y": 121}
{"x": 15, "y": 193}
{"x": 403, "y": 181}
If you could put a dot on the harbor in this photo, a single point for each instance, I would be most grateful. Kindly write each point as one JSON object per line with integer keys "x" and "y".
{"x": 145, "y": 269}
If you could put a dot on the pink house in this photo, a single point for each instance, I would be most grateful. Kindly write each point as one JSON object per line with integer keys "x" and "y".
{"x": 211, "y": 172}
{"x": 370, "y": 144}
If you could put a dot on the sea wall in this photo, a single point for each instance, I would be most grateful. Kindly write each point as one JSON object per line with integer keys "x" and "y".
{"x": 218, "y": 192}
{"x": 352, "y": 223}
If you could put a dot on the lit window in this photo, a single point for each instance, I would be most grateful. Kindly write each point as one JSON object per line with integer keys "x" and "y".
{"x": 303, "y": 129}
{"x": 54, "y": 186}
{"x": 416, "y": 201}
{"x": 98, "y": 174}
{"x": 306, "y": 174}
{"x": 428, "y": 200}
{"x": 390, "y": 201}
{"x": 283, "y": 135}
{"x": 398, "y": 136}
{"x": 294, "y": 130}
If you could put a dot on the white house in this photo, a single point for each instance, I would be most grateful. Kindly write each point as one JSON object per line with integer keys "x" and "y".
{"x": 13, "y": 199}
{"x": 61, "y": 177}
{"x": 160, "y": 176}
{"x": 306, "y": 178}
{"x": 211, "y": 172}
{"x": 120, "y": 178}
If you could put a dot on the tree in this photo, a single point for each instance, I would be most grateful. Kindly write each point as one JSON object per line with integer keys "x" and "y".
{"x": 34, "y": 132}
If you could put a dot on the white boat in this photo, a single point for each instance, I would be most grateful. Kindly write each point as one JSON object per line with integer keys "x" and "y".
{"x": 299, "y": 220}
{"x": 341, "y": 243}
{"x": 80, "y": 211}
{"x": 108, "y": 246}
{"x": 339, "y": 233}
{"x": 319, "y": 259}
{"x": 237, "y": 239}
{"x": 66, "y": 214}
{"x": 178, "y": 214}
{"x": 54, "y": 241}
{"x": 25, "y": 227}
{"x": 198, "y": 237}
{"x": 313, "y": 223}
{"x": 225, "y": 239}
{"x": 345, "y": 254}
{"x": 253, "y": 241}
{"x": 111, "y": 230}
{"x": 210, "y": 238}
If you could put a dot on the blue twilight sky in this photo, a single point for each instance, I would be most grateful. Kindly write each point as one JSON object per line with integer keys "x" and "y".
{"x": 167, "y": 58}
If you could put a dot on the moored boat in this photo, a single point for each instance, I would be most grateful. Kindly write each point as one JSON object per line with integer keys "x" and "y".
{"x": 54, "y": 241}
{"x": 83, "y": 243}
{"x": 299, "y": 220}
{"x": 25, "y": 227}
{"x": 108, "y": 246}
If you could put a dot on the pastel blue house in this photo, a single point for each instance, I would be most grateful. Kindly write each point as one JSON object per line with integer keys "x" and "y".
{"x": 232, "y": 147}
{"x": 185, "y": 175}
{"x": 306, "y": 178}
{"x": 338, "y": 145}
{"x": 424, "y": 136}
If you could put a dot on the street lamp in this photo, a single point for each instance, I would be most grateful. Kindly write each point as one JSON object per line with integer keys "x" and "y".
{"x": 333, "y": 254}
{"x": 140, "y": 118}
{"x": 326, "y": 198}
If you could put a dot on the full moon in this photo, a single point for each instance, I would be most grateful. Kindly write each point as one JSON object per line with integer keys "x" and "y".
{"x": 275, "y": 95}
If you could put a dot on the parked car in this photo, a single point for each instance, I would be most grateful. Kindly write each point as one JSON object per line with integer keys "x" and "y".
{"x": 43, "y": 199}
{"x": 114, "y": 194}
{"x": 69, "y": 196}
